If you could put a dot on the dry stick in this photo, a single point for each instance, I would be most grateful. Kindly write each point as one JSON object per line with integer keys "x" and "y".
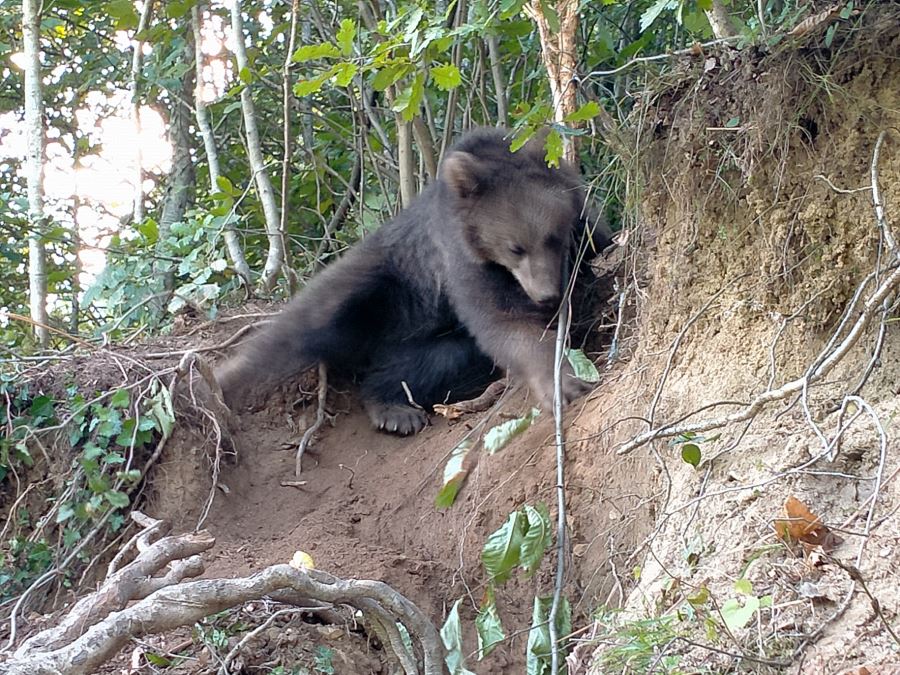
{"x": 560, "y": 440}
{"x": 320, "y": 419}
{"x": 223, "y": 670}
{"x": 871, "y": 306}
{"x": 855, "y": 575}
{"x": 189, "y": 602}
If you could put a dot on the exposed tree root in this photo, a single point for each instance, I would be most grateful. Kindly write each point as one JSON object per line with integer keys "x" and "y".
{"x": 99, "y": 625}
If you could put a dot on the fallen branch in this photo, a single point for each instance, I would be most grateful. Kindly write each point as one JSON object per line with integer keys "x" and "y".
{"x": 481, "y": 403}
{"x": 187, "y": 603}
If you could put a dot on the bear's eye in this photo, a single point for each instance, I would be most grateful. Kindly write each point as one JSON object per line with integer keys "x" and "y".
{"x": 517, "y": 250}
{"x": 553, "y": 241}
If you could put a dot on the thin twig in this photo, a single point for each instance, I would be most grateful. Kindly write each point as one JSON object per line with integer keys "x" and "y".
{"x": 320, "y": 419}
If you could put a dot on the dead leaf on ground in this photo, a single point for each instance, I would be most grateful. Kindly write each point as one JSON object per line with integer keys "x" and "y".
{"x": 801, "y": 525}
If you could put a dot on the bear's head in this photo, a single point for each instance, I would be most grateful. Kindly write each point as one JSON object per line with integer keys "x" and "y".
{"x": 515, "y": 211}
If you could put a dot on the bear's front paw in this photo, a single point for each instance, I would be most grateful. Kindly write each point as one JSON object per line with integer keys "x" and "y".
{"x": 399, "y": 419}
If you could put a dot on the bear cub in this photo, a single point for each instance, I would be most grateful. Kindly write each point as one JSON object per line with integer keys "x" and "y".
{"x": 465, "y": 279}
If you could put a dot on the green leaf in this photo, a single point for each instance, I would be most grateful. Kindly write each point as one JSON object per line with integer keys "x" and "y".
{"x": 499, "y": 436}
{"x": 550, "y": 16}
{"x": 586, "y": 112}
{"x": 690, "y": 453}
{"x": 732, "y": 123}
{"x": 65, "y": 512}
{"x": 161, "y": 406}
{"x": 488, "y": 626}
{"x": 451, "y": 636}
{"x": 509, "y": 8}
{"x": 408, "y": 102}
{"x": 389, "y": 75}
{"x": 245, "y": 75}
{"x": 120, "y": 399}
{"x": 126, "y": 18}
{"x": 325, "y": 50}
{"x": 537, "y": 537}
{"x": 92, "y": 451}
{"x": 554, "y": 147}
{"x": 345, "y": 36}
{"x": 743, "y": 586}
{"x": 42, "y": 408}
{"x": 537, "y": 659}
{"x": 455, "y": 472}
{"x": 130, "y": 476}
{"x": 345, "y": 74}
{"x": 157, "y": 660}
{"x": 446, "y": 76}
{"x": 653, "y": 12}
{"x": 582, "y": 365}
{"x": 118, "y": 500}
{"x": 503, "y": 548}
{"x": 735, "y": 615}
{"x": 307, "y": 87}
{"x": 226, "y": 186}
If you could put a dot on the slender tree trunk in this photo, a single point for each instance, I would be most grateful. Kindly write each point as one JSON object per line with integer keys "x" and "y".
{"x": 426, "y": 145}
{"x": 286, "y": 97}
{"x": 232, "y": 242}
{"x": 719, "y": 20}
{"x": 275, "y": 256}
{"x": 559, "y": 54}
{"x": 456, "y": 56}
{"x": 180, "y": 185}
{"x": 407, "y": 161}
{"x": 493, "y": 45}
{"x": 137, "y": 59}
{"x": 34, "y": 170}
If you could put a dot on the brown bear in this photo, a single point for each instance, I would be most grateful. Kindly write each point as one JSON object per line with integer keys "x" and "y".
{"x": 466, "y": 278}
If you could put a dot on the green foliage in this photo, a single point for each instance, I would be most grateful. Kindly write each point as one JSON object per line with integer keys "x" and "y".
{"x": 537, "y": 660}
{"x": 499, "y": 436}
{"x": 521, "y": 540}
{"x": 103, "y": 436}
{"x": 690, "y": 446}
{"x": 451, "y": 636}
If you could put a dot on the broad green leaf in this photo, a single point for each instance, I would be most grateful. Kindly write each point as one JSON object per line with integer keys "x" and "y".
{"x": 499, "y": 436}
{"x": 324, "y": 50}
{"x": 488, "y": 625}
{"x": 744, "y": 586}
{"x": 389, "y": 75}
{"x": 509, "y": 8}
{"x": 554, "y": 147}
{"x": 65, "y": 512}
{"x": 732, "y": 123}
{"x": 503, "y": 548}
{"x": 737, "y": 616}
{"x": 345, "y": 73}
{"x": 42, "y": 408}
{"x": 245, "y": 75}
{"x": 446, "y": 76}
{"x": 408, "y": 102}
{"x": 451, "y": 636}
{"x": 130, "y": 476}
{"x": 586, "y": 112}
{"x": 537, "y": 537}
{"x": 521, "y": 138}
{"x": 123, "y": 12}
{"x": 550, "y": 15}
{"x": 91, "y": 451}
{"x": 690, "y": 453}
{"x": 345, "y": 36}
{"x": 582, "y": 365}
{"x": 307, "y": 87}
{"x": 120, "y": 399}
{"x": 226, "y": 186}
{"x": 117, "y": 499}
{"x": 161, "y": 405}
{"x": 455, "y": 472}
{"x": 653, "y": 12}
{"x": 537, "y": 659}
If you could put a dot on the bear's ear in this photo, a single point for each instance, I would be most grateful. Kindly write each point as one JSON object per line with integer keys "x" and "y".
{"x": 464, "y": 173}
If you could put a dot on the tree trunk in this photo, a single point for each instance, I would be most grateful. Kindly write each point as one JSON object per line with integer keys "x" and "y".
{"x": 136, "y": 65}
{"x": 719, "y": 20}
{"x": 286, "y": 97}
{"x": 275, "y": 256}
{"x": 232, "y": 243}
{"x": 560, "y": 57}
{"x": 406, "y": 159}
{"x": 34, "y": 170}
{"x": 493, "y": 45}
{"x": 180, "y": 185}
